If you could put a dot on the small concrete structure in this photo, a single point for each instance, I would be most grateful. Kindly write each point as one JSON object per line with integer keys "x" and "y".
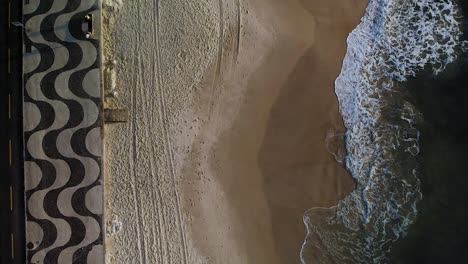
{"x": 115, "y": 115}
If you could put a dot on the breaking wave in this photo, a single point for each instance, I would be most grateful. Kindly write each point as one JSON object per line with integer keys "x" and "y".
{"x": 395, "y": 40}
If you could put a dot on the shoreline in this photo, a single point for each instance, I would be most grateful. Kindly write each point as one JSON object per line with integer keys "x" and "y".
{"x": 232, "y": 138}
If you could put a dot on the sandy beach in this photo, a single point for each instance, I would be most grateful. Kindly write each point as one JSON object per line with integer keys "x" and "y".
{"x": 233, "y": 126}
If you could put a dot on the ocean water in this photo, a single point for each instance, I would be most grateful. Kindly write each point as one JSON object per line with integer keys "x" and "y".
{"x": 440, "y": 233}
{"x": 395, "y": 41}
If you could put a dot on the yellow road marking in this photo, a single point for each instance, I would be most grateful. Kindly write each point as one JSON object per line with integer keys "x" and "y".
{"x": 9, "y": 116}
{"x": 9, "y": 106}
{"x": 12, "y": 246}
{"x": 9, "y": 60}
{"x": 11, "y": 198}
{"x": 9, "y": 148}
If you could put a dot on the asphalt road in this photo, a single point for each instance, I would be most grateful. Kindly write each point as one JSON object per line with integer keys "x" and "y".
{"x": 12, "y": 233}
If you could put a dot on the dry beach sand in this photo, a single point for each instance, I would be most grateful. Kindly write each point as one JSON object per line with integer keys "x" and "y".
{"x": 230, "y": 104}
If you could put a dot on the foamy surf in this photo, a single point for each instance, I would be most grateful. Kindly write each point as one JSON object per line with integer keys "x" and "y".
{"x": 395, "y": 40}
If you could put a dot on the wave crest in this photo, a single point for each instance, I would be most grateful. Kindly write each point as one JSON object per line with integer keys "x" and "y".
{"x": 395, "y": 40}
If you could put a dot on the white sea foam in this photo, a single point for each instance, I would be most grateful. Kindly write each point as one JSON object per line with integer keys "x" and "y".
{"x": 395, "y": 40}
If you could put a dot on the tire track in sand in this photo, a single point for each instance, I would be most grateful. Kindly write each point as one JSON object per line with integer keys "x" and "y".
{"x": 159, "y": 233}
{"x": 229, "y": 37}
{"x": 156, "y": 197}
{"x": 238, "y": 27}
{"x": 156, "y": 221}
{"x": 136, "y": 198}
{"x": 167, "y": 143}
{"x": 215, "y": 84}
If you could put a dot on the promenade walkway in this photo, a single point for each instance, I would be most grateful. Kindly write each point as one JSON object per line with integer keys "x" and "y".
{"x": 63, "y": 139}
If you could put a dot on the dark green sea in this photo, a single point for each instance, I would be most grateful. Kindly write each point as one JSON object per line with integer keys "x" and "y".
{"x": 440, "y": 232}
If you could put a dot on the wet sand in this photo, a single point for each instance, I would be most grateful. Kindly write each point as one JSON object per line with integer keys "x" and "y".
{"x": 231, "y": 103}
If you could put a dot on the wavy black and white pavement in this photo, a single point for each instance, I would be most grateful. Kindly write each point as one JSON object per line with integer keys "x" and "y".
{"x": 63, "y": 132}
